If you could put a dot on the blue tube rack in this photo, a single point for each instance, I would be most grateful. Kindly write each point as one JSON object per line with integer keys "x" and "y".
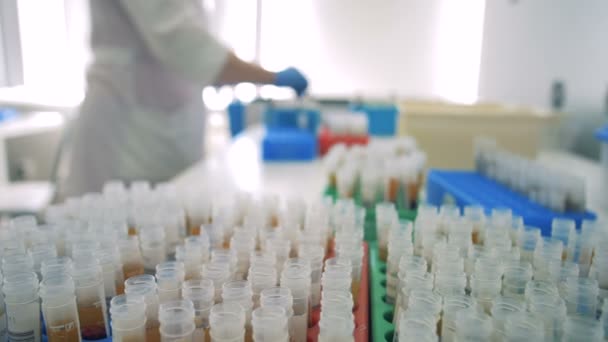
{"x": 467, "y": 187}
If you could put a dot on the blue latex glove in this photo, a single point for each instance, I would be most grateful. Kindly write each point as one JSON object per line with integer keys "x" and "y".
{"x": 293, "y": 78}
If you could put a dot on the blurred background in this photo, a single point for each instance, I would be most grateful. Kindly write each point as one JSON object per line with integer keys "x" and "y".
{"x": 545, "y": 55}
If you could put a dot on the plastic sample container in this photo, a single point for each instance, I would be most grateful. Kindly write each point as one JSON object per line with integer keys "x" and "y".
{"x": 467, "y": 188}
{"x": 439, "y": 125}
{"x": 361, "y": 312}
{"x": 370, "y": 213}
{"x": 327, "y": 139}
{"x": 289, "y": 145}
{"x": 602, "y": 136}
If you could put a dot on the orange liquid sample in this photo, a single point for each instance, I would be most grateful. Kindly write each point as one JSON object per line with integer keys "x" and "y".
{"x": 63, "y": 332}
{"x": 354, "y": 288}
{"x": 475, "y": 237}
{"x": 132, "y": 269}
{"x": 92, "y": 323}
{"x": 195, "y": 230}
{"x": 132, "y": 231}
{"x": 248, "y": 334}
{"x": 393, "y": 189}
{"x": 120, "y": 288}
{"x": 152, "y": 331}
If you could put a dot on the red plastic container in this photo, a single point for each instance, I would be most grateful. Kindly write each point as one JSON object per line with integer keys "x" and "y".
{"x": 361, "y": 312}
{"x": 327, "y": 139}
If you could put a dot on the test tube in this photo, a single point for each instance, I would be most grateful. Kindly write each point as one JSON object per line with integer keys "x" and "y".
{"x": 581, "y": 296}
{"x": 145, "y": 285}
{"x": 261, "y": 277}
{"x": 524, "y": 326}
{"x": 355, "y": 254}
{"x": 528, "y": 239}
{"x": 239, "y": 291}
{"x": 296, "y": 277}
{"x": 128, "y": 313}
{"x": 336, "y": 329}
{"x": 226, "y": 256}
{"x": 386, "y": 218}
{"x": 337, "y": 303}
{"x": 516, "y": 276}
{"x": 132, "y": 261}
{"x": 169, "y": 281}
{"x": 91, "y": 300}
{"x": 153, "y": 246}
{"x": 17, "y": 263}
{"x": 57, "y": 292}
{"x": 485, "y": 290}
{"x": 476, "y": 217}
{"x": 201, "y": 293}
{"x": 243, "y": 243}
{"x": 280, "y": 296}
{"x": 336, "y": 279}
{"x": 552, "y": 309}
{"x": 565, "y": 231}
{"x": 453, "y": 305}
{"x": 176, "y": 321}
{"x": 218, "y": 273}
{"x": 56, "y": 265}
{"x": 281, "y": 248}
{"x": 22, "y": 306}
{"x": 315, "y": 254}
{"x": 502, "y": 308}
{"x": 577, "y": 328}
{"x": 41, "y": 252}
{"x": 227, "y": 322}
{"x": 270, "y": 324}
{"x": 472, "y": 325}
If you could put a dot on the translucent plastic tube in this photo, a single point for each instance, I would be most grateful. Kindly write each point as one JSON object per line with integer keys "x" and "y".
{"x": 243, "y": 243}
{"x": 201, "y": 293}
{"x": 169, "y": 282}
{"x": 228, "y": 257}
{"x": 502, "y": 308}
{"x": 281, "y": 248}
{"x": 270, "y": 324}
{"x": 145, "y": 285}
{"x": 471, "y": 325}
{"x": 218, "y": 273}
{"x": 528, "y": 239}
{"x": 516, "y": 276}
{"x": 552, "y": 310}
{"x": 452, "y": 307}
{"x": 176, "y": 321}
{"x": 239, "y": 291}
{"x": 227, "y": 321}
{"x": 315, "y": 254}
{"x": 524, "y": 326}
{"x": 132, "y": 261}
{"x": 581, "y": 296}
{"x": 578, "y": 328}
{"x": 22, "y": 306}
{"x": 17, "y": 263}
{"x": 476, "y": 217}
{"x": 59, "y": 308}
{"x": 41, "y": 252}
{"x": 280, "y": 296}
{"x": 56, "y": 266}
{"x": 153, "y": 246}
{"x": 261, "y": 277}
{"x": 91, "y": 300}
{"x": 296, "y": 277}
{"x": 336, "y": 329}
{"x": 412, "y": 281}
{"x": 565, "y": 231}
{"x": 128, "y": 313}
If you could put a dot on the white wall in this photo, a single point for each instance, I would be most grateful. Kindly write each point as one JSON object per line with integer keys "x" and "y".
{"x": 529, "y": 43}
{"x": 400, "y": 47}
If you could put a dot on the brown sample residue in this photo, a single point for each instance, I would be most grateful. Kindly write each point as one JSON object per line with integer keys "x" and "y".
{"x": 63, "y": 332}
{"x": 132, "y": 269}
{"x": 92, "y": 323}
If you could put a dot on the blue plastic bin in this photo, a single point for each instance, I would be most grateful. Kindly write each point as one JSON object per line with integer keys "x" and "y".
{"x": 468, "y": 187}
{"x": 382, "y": 118}
{"x": 236, "y": 117}
{"x": 289, "y": 145}
{"x": 292, "y": 118}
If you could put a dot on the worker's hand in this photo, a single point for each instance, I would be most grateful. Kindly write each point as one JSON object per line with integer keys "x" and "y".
{"x": 293, "y": 78}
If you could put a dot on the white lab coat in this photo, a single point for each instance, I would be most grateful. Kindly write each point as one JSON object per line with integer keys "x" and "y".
{"x": 143, "y": 117}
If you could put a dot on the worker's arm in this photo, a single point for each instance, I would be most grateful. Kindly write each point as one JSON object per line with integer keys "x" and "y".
{"x": 175, "y": 33}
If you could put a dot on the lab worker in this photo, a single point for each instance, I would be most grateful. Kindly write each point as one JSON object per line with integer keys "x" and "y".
{"x": 143, "y": 117}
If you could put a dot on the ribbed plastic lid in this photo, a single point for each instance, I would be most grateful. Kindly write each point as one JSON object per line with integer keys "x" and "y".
{"x": 602, "y": 134}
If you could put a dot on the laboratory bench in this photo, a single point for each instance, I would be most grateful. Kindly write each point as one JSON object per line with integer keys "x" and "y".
{"x": 240, "y": 168}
